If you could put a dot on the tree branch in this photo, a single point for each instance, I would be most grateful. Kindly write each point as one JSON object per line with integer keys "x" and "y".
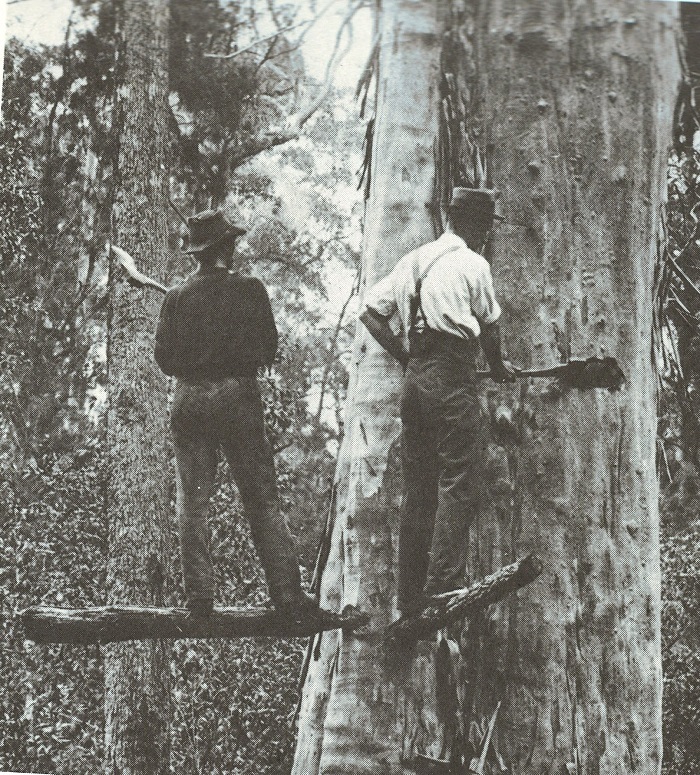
{"x": 258, "y": 41}
{"x": 280, "y": 135}
{"x": 111, "y": 624}
{"x": 464, "y": 603}
{"x": 302, "y": 117}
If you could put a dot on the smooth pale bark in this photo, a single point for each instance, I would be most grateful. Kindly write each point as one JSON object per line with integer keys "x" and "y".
{"x": 137, "y": 696}
{"x": 576, "y": 101}
{"x": 351, "y": 718}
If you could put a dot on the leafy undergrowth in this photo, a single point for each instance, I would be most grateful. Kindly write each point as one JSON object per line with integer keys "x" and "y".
{"x": 52, "y": 546}
{"x": 234, "y": 704}
{"x": 233, "y": 701}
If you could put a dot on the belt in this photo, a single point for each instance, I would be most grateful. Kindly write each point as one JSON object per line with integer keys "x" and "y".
{"x": 430, "y": 341}
{"x": 200, "y": 376}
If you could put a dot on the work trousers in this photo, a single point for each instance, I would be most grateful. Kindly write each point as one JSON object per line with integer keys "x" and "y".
{"x": 228, "y": 414}
{"x": 443, "y": 448}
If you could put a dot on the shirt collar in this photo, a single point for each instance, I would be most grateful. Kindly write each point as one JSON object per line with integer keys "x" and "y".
{"x": 449, "y": 238}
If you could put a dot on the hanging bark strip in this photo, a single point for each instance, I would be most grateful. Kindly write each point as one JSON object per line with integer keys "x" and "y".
{"x": 463, "y": 603}
{"x": 111, "y": 624}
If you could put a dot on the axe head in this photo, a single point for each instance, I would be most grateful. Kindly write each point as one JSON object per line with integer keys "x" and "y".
{"x": 592, "y": 373}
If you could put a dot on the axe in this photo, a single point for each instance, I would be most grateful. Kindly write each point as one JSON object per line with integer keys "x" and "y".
{"x": 134, "y": 277}
{"x": 582, "y": 374}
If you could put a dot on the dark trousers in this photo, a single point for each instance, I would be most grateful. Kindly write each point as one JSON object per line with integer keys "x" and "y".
{"x": 443, "y": 449}
{"x": 227, "y": 414}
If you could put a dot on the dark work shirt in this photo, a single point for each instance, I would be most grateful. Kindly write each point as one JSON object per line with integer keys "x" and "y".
{"x": 215, "y": 325}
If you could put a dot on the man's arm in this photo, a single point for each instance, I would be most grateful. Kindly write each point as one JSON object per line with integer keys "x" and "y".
{"x": 165, "y": 340}
{"x": 266, "y": 330}
{"x": 487, "y": 311}
{"x": 490, "y": 338}
{"x": 378, "y": 326}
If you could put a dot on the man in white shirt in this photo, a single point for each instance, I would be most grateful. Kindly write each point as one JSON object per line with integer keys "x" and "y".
{"x": 431, "y": 312}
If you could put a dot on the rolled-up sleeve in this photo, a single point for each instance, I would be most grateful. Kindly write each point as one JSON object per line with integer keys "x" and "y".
{"x": 484, "y": 306}
{"x": 381, "y": 297}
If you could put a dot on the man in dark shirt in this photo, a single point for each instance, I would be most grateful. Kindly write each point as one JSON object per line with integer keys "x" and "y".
{"x": 215, "y": 331}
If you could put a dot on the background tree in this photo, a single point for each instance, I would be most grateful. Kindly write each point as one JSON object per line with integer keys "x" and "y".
{"x": 137, "y": 674}
{"x": 58, "y": 114}
{"x": 232, "y": 702}
{"x": 576, "y": 660}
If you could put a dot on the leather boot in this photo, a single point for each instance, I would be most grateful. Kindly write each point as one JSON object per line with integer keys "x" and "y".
{"x": 286, "y": 593}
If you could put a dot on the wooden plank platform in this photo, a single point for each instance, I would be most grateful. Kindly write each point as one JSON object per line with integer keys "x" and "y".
{"x": 461, "y": 603}
{"x": 109, "y": 624}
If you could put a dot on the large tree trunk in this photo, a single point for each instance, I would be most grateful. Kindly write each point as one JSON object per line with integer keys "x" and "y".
{"x": 137, "y": 696}
{"x": 352, "y": 712}
{"x": 574, "y": 102}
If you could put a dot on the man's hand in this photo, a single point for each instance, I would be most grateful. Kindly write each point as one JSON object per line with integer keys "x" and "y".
{"x": 501, "y": 369}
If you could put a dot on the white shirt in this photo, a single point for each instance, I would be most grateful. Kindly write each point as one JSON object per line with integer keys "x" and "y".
{"x": 456, "y": 295}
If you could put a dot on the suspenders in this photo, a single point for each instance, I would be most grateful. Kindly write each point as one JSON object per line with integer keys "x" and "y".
{"x": 415, "y": 304}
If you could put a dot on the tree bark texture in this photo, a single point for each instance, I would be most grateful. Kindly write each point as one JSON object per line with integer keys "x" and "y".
{"x": 570, "y": 105}
{"x": 137, "y": 694}
{"x": 573, "y": 104}
{"x": 355, "y": 695}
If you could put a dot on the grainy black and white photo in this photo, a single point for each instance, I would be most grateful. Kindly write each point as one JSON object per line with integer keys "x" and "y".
{"x": 349, "y": 387}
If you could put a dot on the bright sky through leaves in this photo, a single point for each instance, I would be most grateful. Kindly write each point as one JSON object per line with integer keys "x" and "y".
{"x": 44, "y": 21}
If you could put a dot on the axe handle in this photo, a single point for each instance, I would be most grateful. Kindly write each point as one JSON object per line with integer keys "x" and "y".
{"x": 150, "y": 283}
{"x": 553, "y": 371}
{"x": 136, "y": 278}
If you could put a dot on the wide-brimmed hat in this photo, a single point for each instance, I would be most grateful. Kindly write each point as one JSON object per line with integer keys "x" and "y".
{"x": 208, "y": 228}
{"x": 477, "y": 202}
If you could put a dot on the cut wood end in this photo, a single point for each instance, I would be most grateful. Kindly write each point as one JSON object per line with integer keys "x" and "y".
{"x": 530, "y": 567}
